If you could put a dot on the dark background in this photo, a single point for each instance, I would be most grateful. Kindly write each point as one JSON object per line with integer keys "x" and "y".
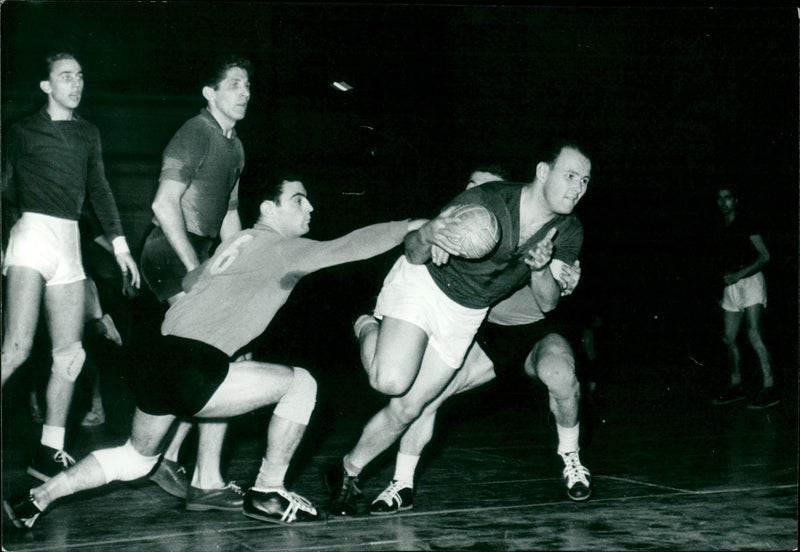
{"x": 673, "y": 102}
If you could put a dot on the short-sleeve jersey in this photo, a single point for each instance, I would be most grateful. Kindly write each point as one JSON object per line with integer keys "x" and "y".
{"x": 51, "y": 167}
{"x": 483, "y": 282}
{"x": 200, "y": 156}
{"x": 252, "y": 274}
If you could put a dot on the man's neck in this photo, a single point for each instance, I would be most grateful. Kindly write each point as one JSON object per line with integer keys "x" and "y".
{"x": 58, "y": 113}
{"x": 225, "y": 123}
{"x": 729, "y": 217}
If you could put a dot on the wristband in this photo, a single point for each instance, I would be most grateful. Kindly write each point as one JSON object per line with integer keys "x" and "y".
{"x": 120, "y": 245}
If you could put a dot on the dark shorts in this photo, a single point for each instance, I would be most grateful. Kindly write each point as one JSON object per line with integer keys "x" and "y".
{"x": 176, "y": 376}
{"x": 160, "y": 266}
{"x": 509, "y": 346}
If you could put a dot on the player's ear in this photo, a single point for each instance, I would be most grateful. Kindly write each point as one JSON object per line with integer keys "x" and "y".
{"x": 45, "y": 86}
{"x": 266, "y": 208}
{"x": 542, "y": 170}
{"x": 208, "y": 93}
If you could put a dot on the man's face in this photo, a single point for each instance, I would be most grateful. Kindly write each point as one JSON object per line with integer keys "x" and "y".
{"x": 293, "y": 210}
{"x": 230, "y": 98}
{"x": 726, "y": 201}
{"x": 481, "y": 177}
{"x": 65, "y": 84}
{"x": 566, "y": 181}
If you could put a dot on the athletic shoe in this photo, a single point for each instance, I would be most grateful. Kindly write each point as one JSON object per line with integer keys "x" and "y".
{"x": 395, "y": 498}
{"x": 22, "y": 511}
{"x": 172, "y": 478}
{"x": 732, "y": 394}
{"x": 47, "y": 462}
{"x": 767, "y": 397}
{"x": 94, "y": 418}
{"x": 576, "y": 477}
{"x": 227, "y": 499}
{"x": 362, "y": 322}
{"x": 344, "y": 491}
{"x": 279, "y": 506}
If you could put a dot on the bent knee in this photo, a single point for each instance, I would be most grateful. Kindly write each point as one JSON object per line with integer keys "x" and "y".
{"x": 403, "y": 412}
{"x": 389, "y": 383}
{"x": 68, "y": 361}
{"x": 553, "y": 362}
{"x": 124, "y": 463}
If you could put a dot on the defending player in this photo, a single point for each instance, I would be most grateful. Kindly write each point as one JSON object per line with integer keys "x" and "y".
{"x": 232, "y": 299}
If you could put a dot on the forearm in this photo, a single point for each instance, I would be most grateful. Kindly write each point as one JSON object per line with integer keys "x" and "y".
{"x": 231, "y": 224}
{"x": 545, "y": 289}
{"x": 170, "y": 218}
{"x": 417, "y": 251}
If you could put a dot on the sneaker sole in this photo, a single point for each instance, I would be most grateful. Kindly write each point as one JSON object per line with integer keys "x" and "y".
{"x": 11, "y": 516}
{"x": 206, "y": 507}
{"x": 723, "y": 403}
{"x": 279, "y": 521}
{"x": 402, "y": 509}
{"x": 33, "y": 472}
{"x": 169, "y": 489}
{"x": 581, "y": 499}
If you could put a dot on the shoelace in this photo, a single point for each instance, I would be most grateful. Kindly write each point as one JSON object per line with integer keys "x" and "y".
{"x": 296, "y": 502}
{"x": 234, "y": 487}
{"x": 63, "y": 458}
{"x": 574, "y": 471}
{"x": 392, "y": 494}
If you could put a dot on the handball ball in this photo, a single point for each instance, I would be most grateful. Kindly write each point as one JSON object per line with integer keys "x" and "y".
{"x": 478, "y": 230}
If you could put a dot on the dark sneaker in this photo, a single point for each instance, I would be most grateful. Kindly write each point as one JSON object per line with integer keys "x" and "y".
{"x": 172, "y": 478}
{"x": 395, "y": 498}
{"x": 22, "y": 511}
{"x": 227, "y": 499}
{"x": 576, "y": 477}
{"x": 732, "y": 394}
{"x": 344, "y": 491}
{"x": 279, "y": 506}
{"x": 766, "y": 398}
{"x": 47, "y": 462}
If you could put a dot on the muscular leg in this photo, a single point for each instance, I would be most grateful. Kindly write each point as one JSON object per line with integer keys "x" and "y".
{"x": 732, "y": 321}
{"x": 174, "y": 447}
{"x": 476, "y": 371}
{"x": 389, "y": 423}
{"x": 753, "y": 314}
{"x": 391, "y": 354}
{"x": 553, "y": 362}
{"x": 64, "y": 309}
{"x": 146, "y": 435}
{"x": 24, "y": 287}
{"x": 209, "y": 452}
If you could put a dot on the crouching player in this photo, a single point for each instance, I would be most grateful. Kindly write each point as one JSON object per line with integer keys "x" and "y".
{"x": 231, "y": 300}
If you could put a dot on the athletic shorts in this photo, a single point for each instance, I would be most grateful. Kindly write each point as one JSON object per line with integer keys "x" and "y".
{"x": 745, "y": 293}
{"x": 177, "y": 376}
{"x": 161, "y": 268}
{"x": 509, "y": 346}
{"x": 410, "y": 294}
{"x": 49, "y": 245}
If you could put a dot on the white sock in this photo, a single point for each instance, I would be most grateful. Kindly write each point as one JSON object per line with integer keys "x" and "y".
{"x": 271, "y": 476}
{"x": 568, "y": 438}
{"x": 404, "y": 468}
{"x": 53, "y": 437}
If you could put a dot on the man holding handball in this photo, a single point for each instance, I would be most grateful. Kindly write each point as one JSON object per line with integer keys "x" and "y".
{"x": 433, "y": 300}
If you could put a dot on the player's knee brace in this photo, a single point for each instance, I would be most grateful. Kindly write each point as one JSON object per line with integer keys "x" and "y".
{"x": 68, "y": 361}
{"x": 124, "y": 463}
{"x": 298, "y": 402}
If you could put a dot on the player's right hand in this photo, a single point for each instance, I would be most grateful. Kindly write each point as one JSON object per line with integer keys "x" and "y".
{"x": 439, "y": 232}
{"x": 439, "y": 256}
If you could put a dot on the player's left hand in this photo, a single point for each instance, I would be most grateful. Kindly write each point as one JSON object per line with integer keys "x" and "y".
{"x": 566, "y": 275}
{"x": 538, "y": 257}
{"x": 731, "y": 278}
{"x": 128, "y": 267}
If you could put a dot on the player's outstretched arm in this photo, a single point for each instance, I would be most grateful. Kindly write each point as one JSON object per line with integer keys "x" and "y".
{"x": 434, "y": 232}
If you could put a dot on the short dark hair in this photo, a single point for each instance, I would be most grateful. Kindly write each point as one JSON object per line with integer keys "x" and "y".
{"x": 497, "y": 170}
{"x": 50, "y": 60}
{"x": 553, "y": 149}
{"x": 219, "y": 69}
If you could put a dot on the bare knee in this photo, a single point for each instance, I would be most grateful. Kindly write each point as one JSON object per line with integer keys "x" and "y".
{"x": 404, "y": 413}
{"x": 16, "y": 350}
{"x": 389, "y": 382}
{"x": 553, "y": 362}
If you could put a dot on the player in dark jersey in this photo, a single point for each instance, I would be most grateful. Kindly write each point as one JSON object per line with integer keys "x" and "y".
{"x": 433, "y": 302}
{"x": 53, "y": 163}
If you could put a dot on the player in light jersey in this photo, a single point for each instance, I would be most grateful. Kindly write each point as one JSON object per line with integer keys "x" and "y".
{"x": 231, "y": 300}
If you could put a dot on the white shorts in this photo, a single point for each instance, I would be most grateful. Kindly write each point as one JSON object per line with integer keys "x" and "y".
{"x": 49, "y": 245}
{"x": 410, "y": 294}
{"x": 745, "y": 293}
